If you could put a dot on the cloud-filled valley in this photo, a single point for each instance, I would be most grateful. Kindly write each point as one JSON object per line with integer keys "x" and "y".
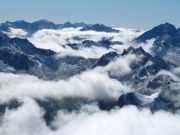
{"x": 62, "y": 79}
{"x": 91, "y": 85}
{"x": 89, "y": 120}
{"x": 57, "y": 40}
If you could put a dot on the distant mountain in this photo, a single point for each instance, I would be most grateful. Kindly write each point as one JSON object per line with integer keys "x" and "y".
{"x": 158, "y": 31}
{"x": 29, "y": 27}
{"x": 72, "y": 25}
{"x": 99, "y": 28}
{"x": 45, "y": 24}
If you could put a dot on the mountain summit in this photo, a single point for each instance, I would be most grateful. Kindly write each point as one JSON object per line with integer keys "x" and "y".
{"x": 158, "y": 31}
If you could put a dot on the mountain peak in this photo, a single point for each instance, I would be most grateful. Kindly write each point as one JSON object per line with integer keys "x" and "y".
{"x": 135, "y": 51}
{"x": 167, "y": 28}
{"x": 67, "y": 25}
{"x": 43, "y": 20}
{"x": 157, "y": 31}
{"x": 105, "y": 59}
{"x": 99, "y": 28}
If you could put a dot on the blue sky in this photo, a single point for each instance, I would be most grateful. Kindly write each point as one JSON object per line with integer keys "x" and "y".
{"x": 142, "y": 14}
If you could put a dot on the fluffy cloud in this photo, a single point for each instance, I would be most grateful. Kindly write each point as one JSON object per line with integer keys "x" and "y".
{"x": 91, "y": 85}
{"x": 16, "y": 33}
{"x": 86, "y": 52}
{"x": 26, "y": 120}
{"x": 121, "y": 66}
{"x": 68, "y": 35}
{"x": 126, "y": 121}
{"x": 118, "y": 66}
{"x": 56, "y": 39}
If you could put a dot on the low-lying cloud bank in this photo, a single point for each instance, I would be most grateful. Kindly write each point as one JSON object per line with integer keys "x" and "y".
{"x": 119, "y": 66}
{"x": 16, "y": 33}
{"x": 27, "y": 120}
{"x": 94, "y": 84}
{"x": 91, "y": 85}
{"x": 89, "y": 119}
{"x": 56, "y": 39}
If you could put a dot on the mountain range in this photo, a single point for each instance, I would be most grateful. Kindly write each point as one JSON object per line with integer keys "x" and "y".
{"x": 45, "y": 24}
{"x": 153, "y": 79}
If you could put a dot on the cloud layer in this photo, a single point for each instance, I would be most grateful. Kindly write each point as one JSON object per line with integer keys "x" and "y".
{"x": 56, "y": 39}
{"x": 90, "y": 121}
{"x": 16, "y": 33}
{"x": 91, "y": 85}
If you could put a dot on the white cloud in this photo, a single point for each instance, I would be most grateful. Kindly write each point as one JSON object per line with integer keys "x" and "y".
{"x": 86, "y": 52}
{"x": 27, "y": 120}
{"x": 147, "y": 46}
{"x": 16, "y": 33}
{"x": 119, "y": 66}
{"x": 126, "y": 121}
{"x": 127, "y": 34}
{"x": 91, "y": 85}
{"x": 56, "y": 39}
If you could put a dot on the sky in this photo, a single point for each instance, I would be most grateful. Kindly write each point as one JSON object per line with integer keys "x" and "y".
{"x": 141, "y": 14}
